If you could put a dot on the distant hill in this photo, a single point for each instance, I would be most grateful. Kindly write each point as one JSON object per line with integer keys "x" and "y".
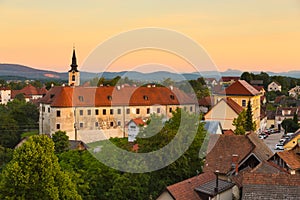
{"x": 21, "y": 72}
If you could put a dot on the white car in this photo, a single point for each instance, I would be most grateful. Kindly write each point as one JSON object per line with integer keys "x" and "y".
{"x": 279, "y": 147}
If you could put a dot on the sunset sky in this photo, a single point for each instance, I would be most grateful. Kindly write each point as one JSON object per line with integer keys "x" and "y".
{"x": 237, "y": 34}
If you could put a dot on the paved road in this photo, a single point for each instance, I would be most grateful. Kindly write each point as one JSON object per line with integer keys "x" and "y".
{"x": 272, "y": 140}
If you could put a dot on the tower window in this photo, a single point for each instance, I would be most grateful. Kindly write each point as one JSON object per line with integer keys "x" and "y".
{"x": 73, "y": 77}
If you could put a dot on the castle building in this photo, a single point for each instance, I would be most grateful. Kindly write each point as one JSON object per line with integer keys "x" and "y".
{"x": 74, "y": 74}
{"x": 97, "y": 113}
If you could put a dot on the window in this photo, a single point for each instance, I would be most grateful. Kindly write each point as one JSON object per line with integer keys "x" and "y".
{"x": 111, "y": 124}
{"x": 243, "y": 103}
{"x": 148, "y": 110}
{"x": 172, "y": 97}
{"x": 73, "y": 77}
{"x": 128, "y": 111}
{"x": 191, "y": 109}
{"x": 158, "y": 110}
{"x": 80, "y": 112}
{"x": 89, "y": 112}
{"x": 96, "y": 112}
{"x": 80, "y": 98}
{"x": 111, "y": 111}
{"x": 96, "y": 124}
{"x": 119, "y": 111}
{"x": 104, "y": 112}
{"x": 58, "y": 113}
{"x": 137, "y": 111}
{"x": 81, "y": 125}
{"x": 48, "y": 110}
{"x": 119, "y": 123}
{"x": 57, "y": 126}
{"x": 146, "y": 97}
{"x": 170, "y": 110}
{"x": 109, "y": 98}
{"x": 43, "y": 109}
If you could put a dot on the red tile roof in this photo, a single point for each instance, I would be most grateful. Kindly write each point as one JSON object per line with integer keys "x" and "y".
{"x": 240, "y": 88}
{"x": 229, "y": 78}
{"x": 290, "y": 158}
{"x": 220, "y": 157}
{"x": 138, "y": 121}
{"x": 184, "y": 190}
{"x": 228, "y": 132}
{"x": 28, "y": 91}
{"x": 115, "y": 96}
{"x": 232, "y": 104}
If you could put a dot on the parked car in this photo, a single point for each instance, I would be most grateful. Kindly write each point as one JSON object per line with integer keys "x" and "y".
{"x": 279, "y": 147}
{"x": 282, "y": 140}
{"x": 263, "y": 136}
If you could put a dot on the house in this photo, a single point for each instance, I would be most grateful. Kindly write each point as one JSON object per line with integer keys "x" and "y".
{"x": 293, "y": 141}
{"x": 210, "y": 82}
{"x": 205, "y": 104}
{"x": 241, "y": 92}
{"x": 295, "y": 92}
{"x": 30, "y": 93}
{"x": 228, "y": 80}
{"x": 225, "y": 111}
{"x": 5, "y": 95}
{"x": 234, "y": 153}
{"x": 270, "y": 186}
{"x": 283, "y": 113}
{"x": 98, "y": 113}
{"x": 77, "y": 145}
{"x": 134, "y": 128}
{"x": 213, "y": 127}
{"x": 289, "y": 160}
{"x": 201, "y": 187}
{"x": 274, "y": 86}
{"x": 271, "y": 118}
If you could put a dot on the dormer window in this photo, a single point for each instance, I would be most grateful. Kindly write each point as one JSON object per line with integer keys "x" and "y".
{"x": 80, "y": 98}
{"x": 109, "y": 97}
{"x": 51, "y": 96}
{"x": 146, "y": 97}
{"x": 172, "y": 97}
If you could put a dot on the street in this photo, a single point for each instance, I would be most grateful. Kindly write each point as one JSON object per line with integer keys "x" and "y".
{"x": 272, "y": 140}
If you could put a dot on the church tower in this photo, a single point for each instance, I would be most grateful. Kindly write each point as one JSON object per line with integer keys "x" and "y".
{"x": 74, "y": 75}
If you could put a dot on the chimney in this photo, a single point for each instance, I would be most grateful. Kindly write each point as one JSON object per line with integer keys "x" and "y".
{"x": 217, "y": 182}
{"x": 235, "y": 163}
{"x": 171, "y": 87}
{"x": 118, "y": 87}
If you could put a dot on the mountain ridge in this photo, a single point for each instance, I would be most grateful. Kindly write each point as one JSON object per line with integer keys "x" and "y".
{"x": 16, "y": 70}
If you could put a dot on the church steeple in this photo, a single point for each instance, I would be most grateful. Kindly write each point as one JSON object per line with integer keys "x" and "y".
{"x": 74, "y": 75}
{"x": 74, "y": 62}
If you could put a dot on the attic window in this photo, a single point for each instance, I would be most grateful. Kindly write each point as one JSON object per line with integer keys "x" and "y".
{"x": 172, "y": 97}
{"x": 109, "y": 97}
{"x": 51, "y": 96}
{"x": 146, "y": 97}
{"x": 80, "y": 98}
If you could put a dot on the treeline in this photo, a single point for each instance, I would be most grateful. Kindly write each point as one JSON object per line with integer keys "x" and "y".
{"x": 87, "y": 178}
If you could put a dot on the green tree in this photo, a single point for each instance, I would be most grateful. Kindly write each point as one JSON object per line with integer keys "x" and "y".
{"x": 249, "y": 124}
{"x": 61, "y": 141}
{"x": 289, "y": 125}
{"x": 247, "y": 76}
{"x": 9, "y": 131}
{"x": 34, "y": 173}
{"x": 239, "y": 123}
{"x": 295, "y": 118}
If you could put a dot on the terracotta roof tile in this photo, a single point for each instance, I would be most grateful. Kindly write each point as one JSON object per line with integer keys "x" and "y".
{"x": 184, "y": 190}
{"x": 235, "y": 106}
{"x": 138, "y": 121}
{"x": 115, "y": 96}
{"x": 240, "y": 87}
{"x": 290, "y": 158}
{"x": 270, "y": 186}
{"x": 220, "y": 157}
{"x": 229, "y": 78}
{"x": 228, "y": 132}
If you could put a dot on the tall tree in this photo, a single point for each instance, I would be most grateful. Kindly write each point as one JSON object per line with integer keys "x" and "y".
{"x": 239, "y": 123}
{"x": 249, "y": 124}
{"x": 34, "y": 173}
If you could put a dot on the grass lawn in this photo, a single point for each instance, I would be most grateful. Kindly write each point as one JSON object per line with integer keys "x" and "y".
{"x": 29, "y": 133}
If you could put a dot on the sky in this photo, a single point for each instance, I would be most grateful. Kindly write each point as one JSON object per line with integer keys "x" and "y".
{"x": 248, "y": 35}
